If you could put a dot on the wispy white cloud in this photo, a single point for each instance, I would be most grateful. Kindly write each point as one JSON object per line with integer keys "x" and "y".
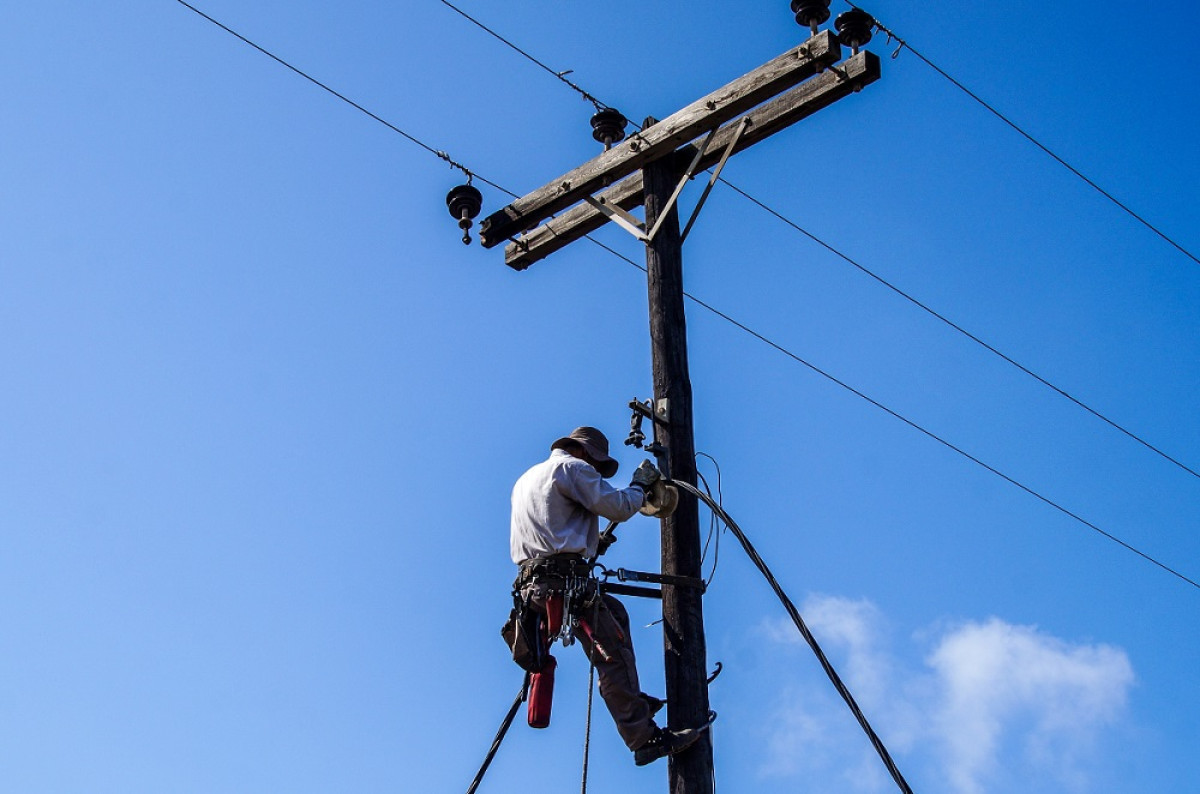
{"x": 995, "y": 678}
{"x": 991, "y": 698}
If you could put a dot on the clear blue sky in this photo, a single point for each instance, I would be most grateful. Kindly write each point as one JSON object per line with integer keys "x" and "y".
{"x": 262, "y": 409}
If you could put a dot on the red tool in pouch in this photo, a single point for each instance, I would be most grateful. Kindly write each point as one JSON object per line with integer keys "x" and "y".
{"x": 541, "y": 690}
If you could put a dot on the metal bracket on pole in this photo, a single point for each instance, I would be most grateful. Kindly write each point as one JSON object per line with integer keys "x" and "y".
{"x": 637, "y": 228}
{"x": 659, "y": 411}
{"x": 619, "y": 216}
{"x": 661, "y": 578}
{"x": 737, "y": 136}
{"x": 683, "y": 180}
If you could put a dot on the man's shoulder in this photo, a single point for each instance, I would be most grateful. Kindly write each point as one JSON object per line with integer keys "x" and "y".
{"x": 557, "y": 462}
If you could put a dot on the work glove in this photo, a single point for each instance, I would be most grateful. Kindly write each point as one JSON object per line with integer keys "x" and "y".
{"x": 646, "y": 475}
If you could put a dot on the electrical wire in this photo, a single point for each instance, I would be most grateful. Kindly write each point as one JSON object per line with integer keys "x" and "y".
{"x": 939, "y": 316}
{"x": 794, "y": 614}
{"x": 411, "y": 138}
{"x": 882, "y": 281}
{"x": 928, "y": 433}
{"x": 904, "y": 45}
{"x": 708, "y": 539}
{"x": 714, "y": 535}
{"x": 713, "y": 310}
{"x": 559, "y": 75}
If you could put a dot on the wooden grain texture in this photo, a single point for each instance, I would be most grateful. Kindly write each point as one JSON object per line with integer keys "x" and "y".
{"x": 727, "y": 102}
{"x": 799, "y": 103}
{"x": 685, "y": 656}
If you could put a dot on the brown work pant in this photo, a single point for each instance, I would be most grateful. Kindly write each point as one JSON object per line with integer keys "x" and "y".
{"x": 618, "y": 675}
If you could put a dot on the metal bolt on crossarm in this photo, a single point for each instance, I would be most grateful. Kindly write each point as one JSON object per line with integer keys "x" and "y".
{"x": 854, "y": 28}
{"x": 608, "y": 127}
{"x": 464, "y": 203}
{"x": 810, "y": 13}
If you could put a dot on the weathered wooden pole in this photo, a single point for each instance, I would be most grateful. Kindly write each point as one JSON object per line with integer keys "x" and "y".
{"x": 683, "y": 614}
{"x": 646, "y": 169}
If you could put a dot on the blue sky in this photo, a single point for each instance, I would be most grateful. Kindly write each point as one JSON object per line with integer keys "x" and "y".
{"x": 262, "y": 409}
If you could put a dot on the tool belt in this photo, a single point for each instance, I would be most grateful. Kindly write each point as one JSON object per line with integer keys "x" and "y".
{"x": 567, "y": 578}
{"x": 556, "y": 571}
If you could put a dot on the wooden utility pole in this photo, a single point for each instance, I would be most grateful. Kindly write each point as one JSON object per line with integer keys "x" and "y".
{"x": 651, "y": 168}
{"x": 683, "y": 610}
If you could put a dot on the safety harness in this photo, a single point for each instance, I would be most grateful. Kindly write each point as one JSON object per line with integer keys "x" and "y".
{"x": 570, "y": 595}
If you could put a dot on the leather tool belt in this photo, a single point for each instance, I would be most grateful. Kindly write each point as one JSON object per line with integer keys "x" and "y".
{"x": 554, "y": 571}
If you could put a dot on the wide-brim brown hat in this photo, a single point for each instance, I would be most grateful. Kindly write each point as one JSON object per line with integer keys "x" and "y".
{"x": 595, "y": 444}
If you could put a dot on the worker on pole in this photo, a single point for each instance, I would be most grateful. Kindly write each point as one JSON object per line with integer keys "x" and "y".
{"x": 555, "y": 538}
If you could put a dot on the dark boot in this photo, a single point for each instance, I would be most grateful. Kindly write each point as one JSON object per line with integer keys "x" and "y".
{"x": 664, "y": 743}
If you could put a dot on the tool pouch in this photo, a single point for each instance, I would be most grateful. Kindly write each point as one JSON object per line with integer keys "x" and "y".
{"x": 523, "y": 634}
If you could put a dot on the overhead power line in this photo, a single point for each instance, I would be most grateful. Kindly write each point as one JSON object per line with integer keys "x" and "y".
{"x": 924, "y": 431}
{"x": 904, "y": 45}
{"x": 412, "y": 138}
{"x": 849, "y": 260}
{"x": 562, "y": 76}
{"x": 715, "y": 311}
{"x": 943, "y": 318}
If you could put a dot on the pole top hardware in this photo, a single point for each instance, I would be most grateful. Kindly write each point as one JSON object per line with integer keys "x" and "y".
{"x": 464, "y": 203}
{"x": 810, "y": 13}
{"x": 854, "y": 28}
{"x": 662, "y": 139}
{"x": 608, "y": 127}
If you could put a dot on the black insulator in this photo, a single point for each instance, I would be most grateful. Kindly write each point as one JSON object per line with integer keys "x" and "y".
{"x": 464, "y": 203}
{"x": 608, "y": 126}
{"x": 854, "y": 28}
{"x": 810, "y": 13}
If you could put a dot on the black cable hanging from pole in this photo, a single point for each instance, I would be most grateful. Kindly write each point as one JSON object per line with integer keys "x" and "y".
{"x": 508, "y": 718}
{"x": 794, "y": 614}
{"x": 442, "y": 155}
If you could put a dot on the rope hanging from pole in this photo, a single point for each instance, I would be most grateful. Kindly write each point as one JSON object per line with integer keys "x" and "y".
{"x": 876, "y": 742}
{"x": 508, "y": 718}
{"x": 587, "y": 732}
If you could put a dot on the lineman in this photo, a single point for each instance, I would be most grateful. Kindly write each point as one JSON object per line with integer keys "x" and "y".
{"x": 555, "y": 532}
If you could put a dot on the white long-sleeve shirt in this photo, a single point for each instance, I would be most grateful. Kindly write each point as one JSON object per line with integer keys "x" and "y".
{"x": 556, "y": 504}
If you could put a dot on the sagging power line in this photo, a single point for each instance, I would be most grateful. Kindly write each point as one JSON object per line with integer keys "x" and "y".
{"x": 919, "y": 428}
{"x": 712, "y": 309}
{"x": 663, "y": 265}
{"x": 940, "y": 316}
{"x": 904, "y": 45}
{"x": 440, "y": 154}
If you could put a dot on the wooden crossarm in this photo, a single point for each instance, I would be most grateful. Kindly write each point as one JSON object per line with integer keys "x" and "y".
{"x": 663, "y": 138}
{"x": 798, "y": 103}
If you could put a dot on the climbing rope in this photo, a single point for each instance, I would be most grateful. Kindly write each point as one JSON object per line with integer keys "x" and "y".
{"x": 508, "y": 718}
{"x": 587, "y": 731}
{"x": 592, "y": 674}
{"x": 876, "y": 742}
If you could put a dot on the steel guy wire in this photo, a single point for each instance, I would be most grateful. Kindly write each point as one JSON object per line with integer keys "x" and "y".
{"x": 884, "y": 282}
{"x": 928, "y": 433}
{"x": 711, "y": 309}
{"x": 904, "y": 45}
{"x": 412, "y": 138}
